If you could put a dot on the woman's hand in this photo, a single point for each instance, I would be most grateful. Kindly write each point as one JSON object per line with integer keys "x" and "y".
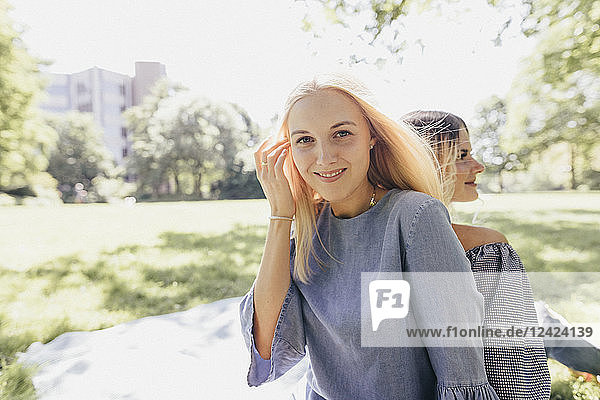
{"x": 273, "y": 181}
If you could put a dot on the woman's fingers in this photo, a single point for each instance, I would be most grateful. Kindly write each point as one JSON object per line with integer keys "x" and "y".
{"x": 275, "y": 147}
{"x": 261, "y": 154}
{"x": 273, "y": 156}
{"x": 271, "y": 177}
{"x": 264, "y": 143}
{"x": 259, "y": 151}
{"x": 269, "y": 155}
{"x": 278, "y": 168}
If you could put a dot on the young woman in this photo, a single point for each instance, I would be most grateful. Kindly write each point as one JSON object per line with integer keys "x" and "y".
{"x": 365, "y": 194}
{"x": 519, "y": 371}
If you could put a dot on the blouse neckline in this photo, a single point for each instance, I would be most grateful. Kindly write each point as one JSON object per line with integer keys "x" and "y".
{"x": 364, "y": 214}
{"x": 492, "y": 244}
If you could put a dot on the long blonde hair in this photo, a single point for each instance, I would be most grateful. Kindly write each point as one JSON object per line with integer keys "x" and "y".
{"x": 400, "y": 159}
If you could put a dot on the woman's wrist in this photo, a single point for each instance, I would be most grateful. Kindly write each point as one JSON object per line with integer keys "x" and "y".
{"x": 282, "y": 214}
{"x": 281, "y": 218}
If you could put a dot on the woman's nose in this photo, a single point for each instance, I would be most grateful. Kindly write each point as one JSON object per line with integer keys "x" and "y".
{"x": 478, "y": 167}
{"x": 326, "y": 155}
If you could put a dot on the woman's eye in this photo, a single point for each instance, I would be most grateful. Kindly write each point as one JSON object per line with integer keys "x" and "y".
{"x": 301, "y": 140}
{"x": 307, "y": 139}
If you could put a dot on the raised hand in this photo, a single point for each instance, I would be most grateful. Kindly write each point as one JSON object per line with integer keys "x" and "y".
{"x": 269, "y": 171}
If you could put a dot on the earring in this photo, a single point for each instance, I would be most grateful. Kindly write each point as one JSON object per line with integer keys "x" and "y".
{"x": 371, "y": 146}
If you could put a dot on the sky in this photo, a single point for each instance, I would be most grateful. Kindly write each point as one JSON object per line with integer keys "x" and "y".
{"x": 254, "y": 53}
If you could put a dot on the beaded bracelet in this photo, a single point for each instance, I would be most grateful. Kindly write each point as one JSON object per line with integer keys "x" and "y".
{"x": 283, "y": 218}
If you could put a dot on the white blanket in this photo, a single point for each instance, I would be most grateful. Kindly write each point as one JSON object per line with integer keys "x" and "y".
{"x": 194, "y": 354}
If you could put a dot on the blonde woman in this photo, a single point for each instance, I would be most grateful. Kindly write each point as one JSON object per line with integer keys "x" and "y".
{"x": 366, "y": 196}
{"x": 518, "y": 371}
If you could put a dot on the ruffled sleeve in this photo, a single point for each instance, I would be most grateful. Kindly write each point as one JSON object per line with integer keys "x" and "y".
{"x": 477, "y": 392}
{"x": 288, "y": 346}
{"x": 263, "y": 367}
{"x": 520, "y": 365}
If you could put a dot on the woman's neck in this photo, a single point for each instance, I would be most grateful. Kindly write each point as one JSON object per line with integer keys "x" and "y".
{"x": 357, "y": 203}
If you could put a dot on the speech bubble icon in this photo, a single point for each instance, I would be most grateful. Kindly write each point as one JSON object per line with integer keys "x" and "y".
{"x": 389, "y": 300}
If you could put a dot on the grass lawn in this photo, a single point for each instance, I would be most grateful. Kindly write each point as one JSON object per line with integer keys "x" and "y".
{"x": 557, "y": 236}
{"x": 86, "y": 267}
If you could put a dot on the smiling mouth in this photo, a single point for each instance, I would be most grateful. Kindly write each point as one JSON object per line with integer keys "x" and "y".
{"x": 330, "y": 174}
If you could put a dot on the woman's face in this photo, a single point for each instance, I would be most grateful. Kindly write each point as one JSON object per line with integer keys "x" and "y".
{"x": 329, "y": 135}
{"x": 467, "y": 168}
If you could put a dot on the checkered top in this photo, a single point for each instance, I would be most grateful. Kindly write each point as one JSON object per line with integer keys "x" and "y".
{"x": 519, "y": 371}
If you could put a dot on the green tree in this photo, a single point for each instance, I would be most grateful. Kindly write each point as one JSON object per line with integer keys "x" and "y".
{"x": 555, "y": 97}
{"x": 79, "y": 156}
{"x": 24, "y": 141}
{"x": 486, "y": 132}
{"x": 239, "y": 177}
{"x": 149, "y": 146}
{"x": 186, "y": 139}
{"x": 380, "y": 24}
{"x": 577, "y": 42}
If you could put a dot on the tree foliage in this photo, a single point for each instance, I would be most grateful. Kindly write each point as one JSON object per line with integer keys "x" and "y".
{"x": 555, "y": 98}
{"x": 187, "y": 140}
{"x": 380, "y": 23}
{"x": 383, "y": 13}
{"x": 486, "y": 134}
{"x": 79, "y": 156}
{"x": 24, "y": 140}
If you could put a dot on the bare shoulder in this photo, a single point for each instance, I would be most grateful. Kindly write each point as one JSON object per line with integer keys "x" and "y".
{"x": 473, "y": 236}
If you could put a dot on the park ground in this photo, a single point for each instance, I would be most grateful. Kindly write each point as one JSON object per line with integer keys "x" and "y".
{"x": 93, "y": 266}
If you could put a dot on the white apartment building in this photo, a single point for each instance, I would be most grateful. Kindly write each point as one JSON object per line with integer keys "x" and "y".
{"x": 106, "y": 95}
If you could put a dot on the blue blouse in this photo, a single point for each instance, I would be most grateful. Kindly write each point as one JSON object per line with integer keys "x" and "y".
{"x": 405, "y": 231}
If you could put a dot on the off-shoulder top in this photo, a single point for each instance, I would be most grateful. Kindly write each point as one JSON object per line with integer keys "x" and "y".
{"x": 519, "y": 371}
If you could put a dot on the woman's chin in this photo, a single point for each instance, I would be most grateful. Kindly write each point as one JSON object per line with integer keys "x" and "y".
{"x": 473, "y": 197}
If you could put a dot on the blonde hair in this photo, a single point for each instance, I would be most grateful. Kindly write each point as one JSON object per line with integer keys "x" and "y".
{"x": 400, "y": 159}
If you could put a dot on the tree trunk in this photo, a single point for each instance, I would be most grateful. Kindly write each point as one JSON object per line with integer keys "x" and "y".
{"x": 177, "y": 185}
{"x": 573, "y": 151}
{"x": 500, "y": 181}
{"x": 197, "y": 185}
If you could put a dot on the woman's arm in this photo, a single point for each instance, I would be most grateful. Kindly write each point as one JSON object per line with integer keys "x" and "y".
{"x": 271, "y": 286}
{"x": 286, "y": 342}
{"x": 584, "y": 357}
{"x": 271, "y": 312}
{"x": 432, "y": 248}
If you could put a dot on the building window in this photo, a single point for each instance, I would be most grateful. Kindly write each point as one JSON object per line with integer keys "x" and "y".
{"x": 81, "y": 87}
{"x": 85, "y": 107}
{"x": 124, "y": 152}
{"x": 124, "y": 132}
{"x": 123, "y": 108}
{"x": 123, "y": 89}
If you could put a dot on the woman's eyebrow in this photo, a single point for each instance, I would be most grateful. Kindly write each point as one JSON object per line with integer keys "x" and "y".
{"x": 342, "y": 123}
{"x": 338, "y": 124}
{"x": 296, "y": 132}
